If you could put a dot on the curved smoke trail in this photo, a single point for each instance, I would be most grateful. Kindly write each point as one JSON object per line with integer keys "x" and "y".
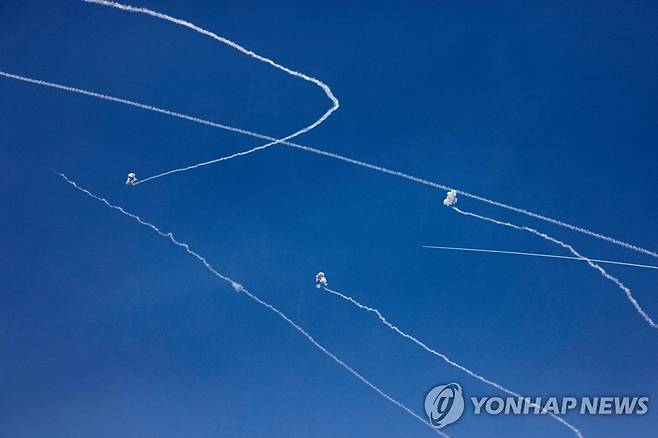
{"x": 241, "y": 289}
{"x": 335, "y": 104}
{"x": 446, "y": 358}
{"x": 318, "y": 152}
{"x": 570, "y": 248}
{"x": 328, "y": 154}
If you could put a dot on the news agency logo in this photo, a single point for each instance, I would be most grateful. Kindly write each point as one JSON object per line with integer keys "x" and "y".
{"x": 444, "y": 404}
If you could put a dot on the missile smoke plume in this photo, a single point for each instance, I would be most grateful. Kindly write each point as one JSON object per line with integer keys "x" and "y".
{"x": 273, "y": 141}
{"x": 327, "y": 154}
{"x": 241, "y": 289}
{"x": 442, "y": 356}
{"x": 335, "y": 104}
{"x": 206, "y": 163}
{"x": 570, "y": 248}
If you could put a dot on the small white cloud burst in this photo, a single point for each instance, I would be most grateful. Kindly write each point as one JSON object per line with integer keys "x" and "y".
{"x": 451, "y": 198}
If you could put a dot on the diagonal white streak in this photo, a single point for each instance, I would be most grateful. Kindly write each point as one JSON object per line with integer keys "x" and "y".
{"x": 534, "y": 254}
{"x": 335, "y": 104}
{"x": 239, "y": 288}
{"x": 128, "y": 102}
{"x": 446, "y": 358}
{"x": 327, "y": 154}
{"x": 570, "y": 248}
{"x": 205, "y": 163}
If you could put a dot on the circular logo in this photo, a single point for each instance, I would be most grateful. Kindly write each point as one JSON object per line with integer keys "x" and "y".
{"x": 444, "y": 404}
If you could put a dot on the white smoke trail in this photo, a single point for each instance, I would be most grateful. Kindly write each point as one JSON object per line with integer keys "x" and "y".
{"x": 239, "y": 288}
{"x": 594, "y": 266}
{"x": 472, "y": 196}
{"x": 446, "y": 358}
{"x": 274, "y": 141}
{"x": 326, "y": 154}
{"x": 205, "y": 163}
{"x": 534, "y": 254}
{"x": 335, "y": 104}
{"x": 129, "y": 103}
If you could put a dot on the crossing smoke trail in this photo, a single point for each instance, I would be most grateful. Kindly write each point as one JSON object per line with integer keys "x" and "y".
{"x": 448, "y": 360}
{"x": 533, "y": 254}
{"x": 335, "y": 104}
{"x": 472, "y": 196}
{"x": 570, "y": 248}
{"x": 327, "y": 154}
{"x": 239, "y": 288}
{"x": 273, "y": 141}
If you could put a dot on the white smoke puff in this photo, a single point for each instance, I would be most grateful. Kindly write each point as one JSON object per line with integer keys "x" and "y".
{"x": 451, "y": 198}
{"x": 237, "y": 286}
{"x": 321, "y": 280}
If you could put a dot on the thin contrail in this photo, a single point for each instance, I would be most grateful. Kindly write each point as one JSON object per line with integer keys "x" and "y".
{"x": 447, "y": 359}
{"x": 205, "y": 163}
{"x": 594, "y": 266}
{"x": 534, "y": 254}
{"x": 335, "y": 104}
{"x": 239, "y": 288}
{"x": 332, "y": 155}
{"x": 130, "y": 103}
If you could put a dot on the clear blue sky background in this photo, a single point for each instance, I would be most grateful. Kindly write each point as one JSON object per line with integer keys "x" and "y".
{"x": 108, "y": 330}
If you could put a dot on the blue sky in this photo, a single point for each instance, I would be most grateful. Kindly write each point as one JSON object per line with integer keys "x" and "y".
{"x": 108, "y": 330}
